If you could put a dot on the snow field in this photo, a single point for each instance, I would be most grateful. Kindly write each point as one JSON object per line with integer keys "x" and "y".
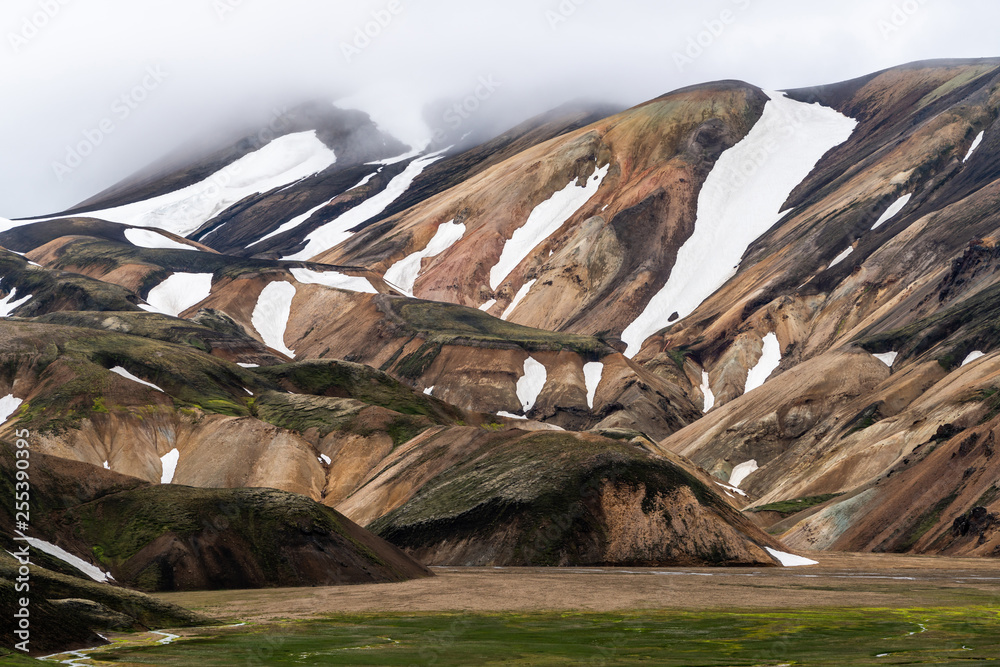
{"x": 336, "y": 231}
{"x": 740, "y": 200}
{"x": 592, "y": 374}
{"x": 530, "y": 385}
{"x": 178, "y": 292}
{"x": 270, "y": 315}
{"x": 404, "y": 273}
{"x": 770, "y": 359}
{"x": 333, "y": 279}
{"x": 544, "y": 221}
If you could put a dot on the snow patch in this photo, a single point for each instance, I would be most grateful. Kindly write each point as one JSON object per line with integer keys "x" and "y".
{"x": 789, "y": 560}
{"x": 742, "y": 199}
{"x": 169, "y": 464}
{"x": 118, "y": 370}
{"x": 543, "y": 222}
{"x": 429, "y": 391}
{"x": 147, "y": 238}
{"x": 510, "y": 416}
{"x": 285, "y": 160}
{"x": 106, "y": 466}
{"x": 592, "y": 374}
{"x": 404, "y": 273}
{"x": 887, "y": 358}
{"x": 178, "y": 292}
{"x": 270, "y": 315}
{"x": 728, "y": 487}
{"x": 770, "y": 359}
{"x": 841, "y": 257}
{"x": 336, "y": 231}
{"x": 530, "y": 385}
{"x": 8, "y": 406}
{"x": 706, "y": 390}
{"x": 893, "y": 210}
{"x": 975, "y": 144}
{"x": 489, "y": 304}
{"x": 742, "y": 471}
{"x": 968, "y": 360}
{"x": 325, "y": 459}
{"x": 334, "y": 279}
{"x": 248, "y": 365}
{"x": 95, "y": 573}
{"x": 518, "y": 298}
{"x": 8, "y": 305}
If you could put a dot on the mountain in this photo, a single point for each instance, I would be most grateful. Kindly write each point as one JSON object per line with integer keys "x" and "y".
{"x": 688, "y": 332}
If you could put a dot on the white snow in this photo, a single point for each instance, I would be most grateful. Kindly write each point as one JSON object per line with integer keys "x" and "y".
{"x": 742, "y": 471}
{"x": 489, "y": 304}
{"x": 8, "y": 305}
{"x": 167, "y": 637}
{"x": 968, "y": 360}
{"x": 178, "y": 292}
{"x": 841, "y": 257}
{"x": 543, "y": 222}
{"x": 247, "y": 391}
{"x": 740, "y": 200}
{"x": 770, "y": 358}
{"x": 509, "y": 415}
{"x": 404, "y": 273}
{"x": 8, "y": 406}
{"x": 429, "y": 391}
{"x": 518, "y": 298}
{"x": 334, "y": 232}
{"x": 975, "y": 144}
{"x": 333, "y": 279}
{"x": 169, "y": 464}
{"x": 728, "y": 488}
{"x": 592, "y": 374}
{"x": 91, "y": 571}
{"x": 325, "y": 459}
{"x": 366, "y": 179}
{"x": 283, "y": 161}
{"x": 270, "y": 315}
{"x": 291, "y": 224}
{"x": 887, "y": 358}
{"x": 248, "y": 365}
{"x": 530, "y": 385}
{"x": 118, "y": 370}
{"x": 106, "y": 466}
{"x": 147, "y": 238}
{"x": 893, "y": 210}
{"x": 789, "y": 560}
{"x": 706, "y": 390}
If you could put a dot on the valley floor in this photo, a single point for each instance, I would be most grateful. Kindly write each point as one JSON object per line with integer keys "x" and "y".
{"x": 850, "y": 609}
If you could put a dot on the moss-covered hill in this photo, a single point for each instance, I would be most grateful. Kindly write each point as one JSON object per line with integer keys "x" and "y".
{"x": 560, "y": 498}
{"x": 168, "y": 537}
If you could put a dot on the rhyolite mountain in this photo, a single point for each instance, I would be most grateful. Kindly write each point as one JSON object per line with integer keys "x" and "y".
{"x": 688, "y": 332}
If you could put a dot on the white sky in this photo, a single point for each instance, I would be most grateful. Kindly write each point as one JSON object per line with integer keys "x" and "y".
{"x": 227, "y": 61}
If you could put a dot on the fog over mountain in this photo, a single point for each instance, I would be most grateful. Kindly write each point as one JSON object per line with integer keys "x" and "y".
{"x": 71, "y": 68}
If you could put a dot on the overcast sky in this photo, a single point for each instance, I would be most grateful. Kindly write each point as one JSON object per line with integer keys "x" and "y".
{"x": 136, "y": 79}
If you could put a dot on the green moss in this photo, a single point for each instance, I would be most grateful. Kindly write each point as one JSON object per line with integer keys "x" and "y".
{"x": 443, "y": 323}
{"x": 794, "y": 506}
{"x": 923, "y": 524}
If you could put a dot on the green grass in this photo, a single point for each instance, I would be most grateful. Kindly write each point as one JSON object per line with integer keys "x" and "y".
{"x": 959, "y": 636}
